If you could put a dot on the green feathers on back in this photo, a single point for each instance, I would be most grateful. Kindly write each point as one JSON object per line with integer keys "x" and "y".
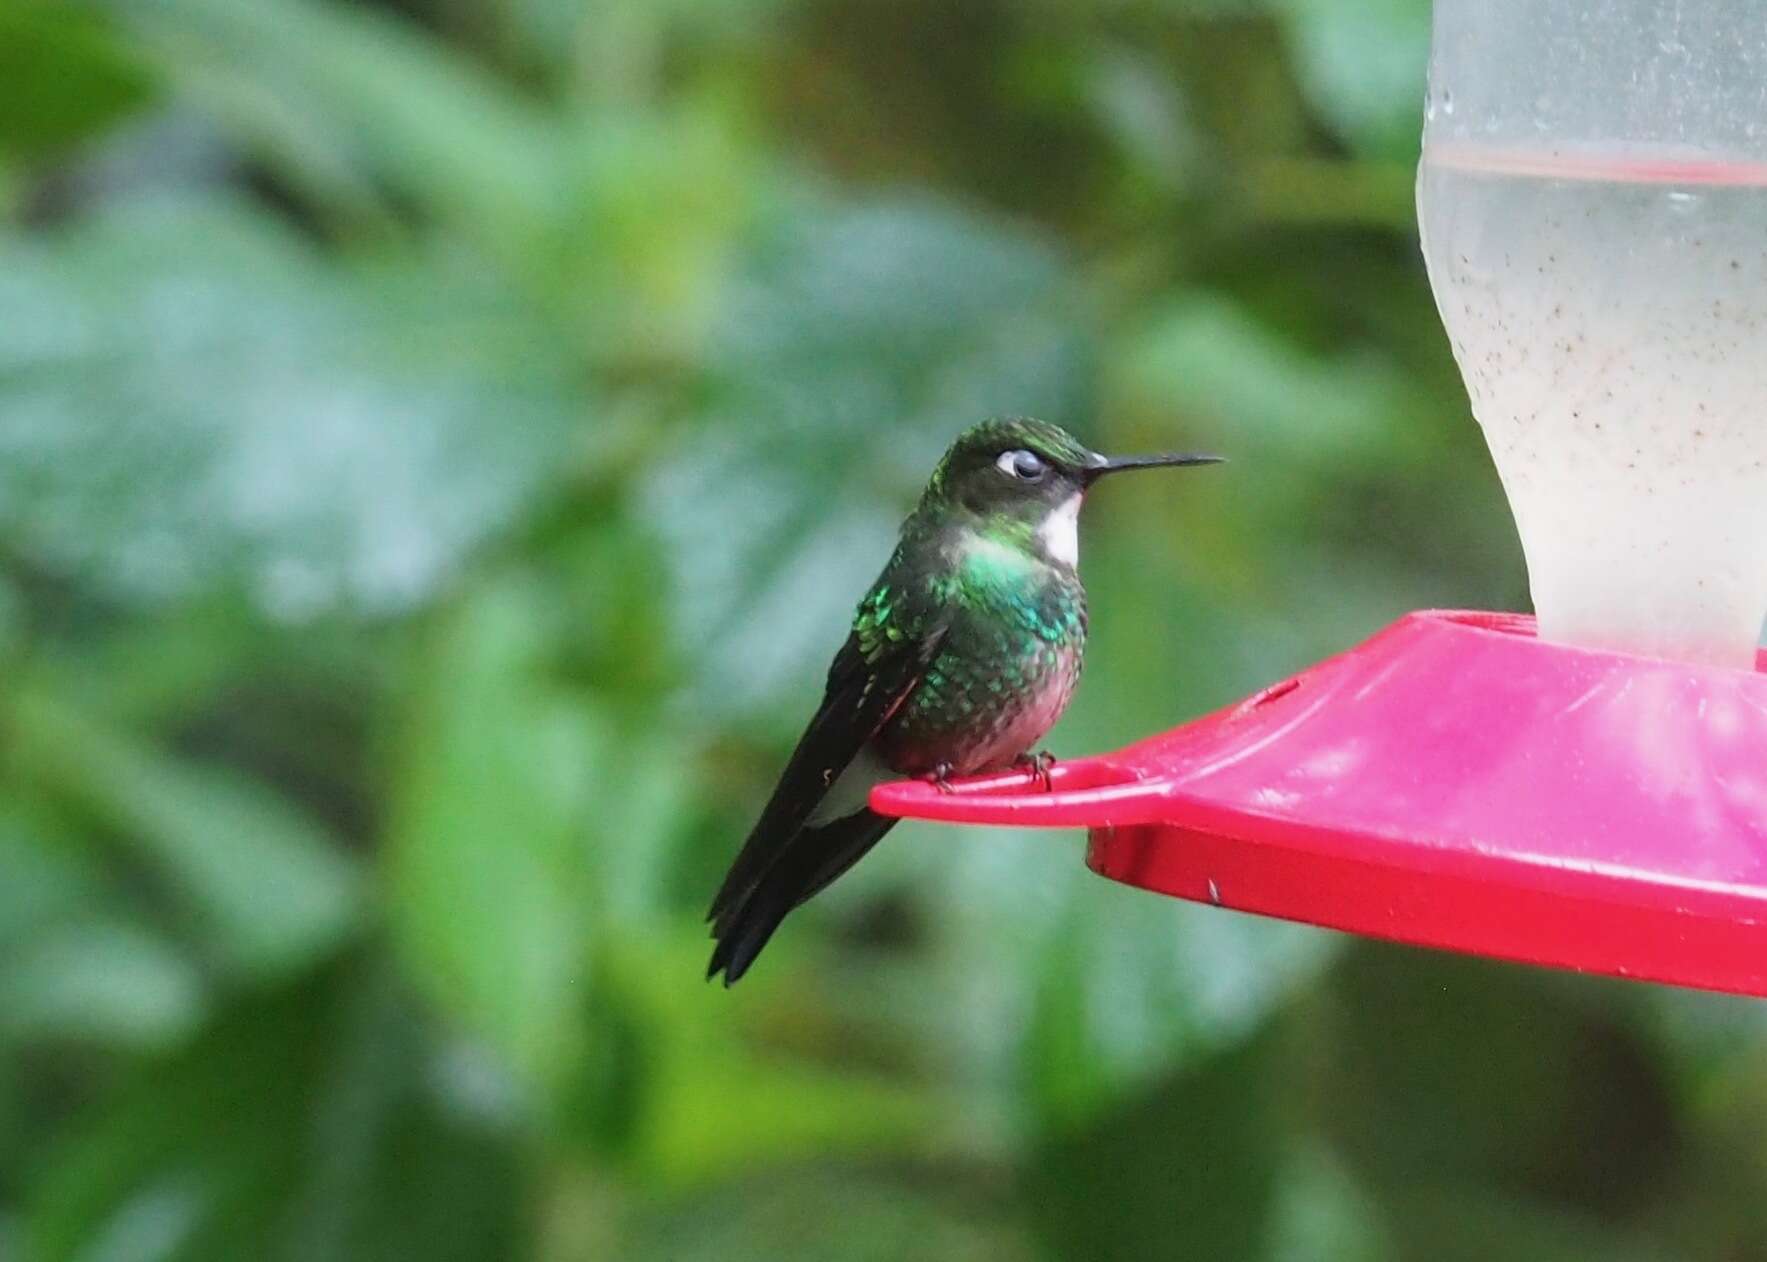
{"x": 879, "y": 623}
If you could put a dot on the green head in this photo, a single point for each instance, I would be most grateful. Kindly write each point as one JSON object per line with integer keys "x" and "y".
{"x": 1024, "y": 479}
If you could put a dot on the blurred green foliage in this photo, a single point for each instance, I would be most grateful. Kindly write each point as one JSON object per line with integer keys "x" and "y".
{"x": 440, "y": 441}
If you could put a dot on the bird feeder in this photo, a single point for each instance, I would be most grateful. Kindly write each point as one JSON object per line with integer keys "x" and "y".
{"x": 1587, "y": 791}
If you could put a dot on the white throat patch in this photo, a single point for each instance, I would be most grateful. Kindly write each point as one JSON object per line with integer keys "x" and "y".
{"x": 1060, "y": 532}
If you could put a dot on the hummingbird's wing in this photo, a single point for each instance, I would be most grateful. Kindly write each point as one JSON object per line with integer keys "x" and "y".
{"x": 871, "y": 676}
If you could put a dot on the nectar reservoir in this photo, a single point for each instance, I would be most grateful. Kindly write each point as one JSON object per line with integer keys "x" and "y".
{"x": 1593, "y": 207}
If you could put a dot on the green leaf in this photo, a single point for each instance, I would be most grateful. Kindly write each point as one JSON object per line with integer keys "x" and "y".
{"x": 712, "y": 1091}
{"x": 194, "y": 398}
{"x": 1212, "y": 358}
{"x": 349, "y": 89}
{"x": 1113, "y": 986}
{"x": 47, "y": 878}
{"x": 316, "y": 1124}
{"x": 1323, "y": 1215}
{"x": 1143, "y": 110}
{"x": 267, "y": 889}
{"x": 487, "y": 878}
{"x": 1188, "y": 1169}
{"x": 75, "y": 967}
{"x": 1363, "y": 66}
{"x": 88, "y": 981}
{"x": 63, "y": 78}
{"x": 1472, "y": 1225}
{"x": 1459, "y": 1072}
{"x": 860, "y": 1215}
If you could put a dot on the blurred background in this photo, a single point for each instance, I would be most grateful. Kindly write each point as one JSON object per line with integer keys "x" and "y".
{"x": 441, "y": 442}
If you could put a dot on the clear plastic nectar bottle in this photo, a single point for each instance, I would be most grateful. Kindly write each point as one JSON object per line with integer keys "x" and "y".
{"x": 1593, "y": 207}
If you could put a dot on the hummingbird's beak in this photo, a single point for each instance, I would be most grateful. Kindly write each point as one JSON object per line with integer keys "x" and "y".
{"x": 1102, "y": 465}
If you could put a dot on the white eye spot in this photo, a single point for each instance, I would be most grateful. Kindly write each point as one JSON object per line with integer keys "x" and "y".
{"x": 1026, "y": 466}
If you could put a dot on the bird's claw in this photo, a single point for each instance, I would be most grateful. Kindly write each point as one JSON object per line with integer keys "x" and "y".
{"x": 940, "y": 777}
{"x": 1038, "y": 764}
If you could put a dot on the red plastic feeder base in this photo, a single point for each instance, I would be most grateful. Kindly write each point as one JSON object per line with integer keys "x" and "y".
{"x": 1452, "y": 782}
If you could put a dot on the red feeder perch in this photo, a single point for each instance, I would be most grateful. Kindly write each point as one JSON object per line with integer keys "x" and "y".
{"x": 1453, "y": 782}
{"x": 1593, "y": 196}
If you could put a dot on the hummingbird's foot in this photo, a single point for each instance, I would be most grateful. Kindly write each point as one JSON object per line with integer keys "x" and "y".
{"x": 1038, "y": 764}
{"x": 940, "y": 777}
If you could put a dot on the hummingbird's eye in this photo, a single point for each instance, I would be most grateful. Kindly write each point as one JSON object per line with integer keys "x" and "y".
{"x": 1026, "y": 466}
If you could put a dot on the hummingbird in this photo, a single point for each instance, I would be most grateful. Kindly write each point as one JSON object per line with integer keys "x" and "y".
{"x": 965, "y": 651}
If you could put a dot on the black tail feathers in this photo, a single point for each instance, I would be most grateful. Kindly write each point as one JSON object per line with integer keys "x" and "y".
{"x": 744, "y": 920}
